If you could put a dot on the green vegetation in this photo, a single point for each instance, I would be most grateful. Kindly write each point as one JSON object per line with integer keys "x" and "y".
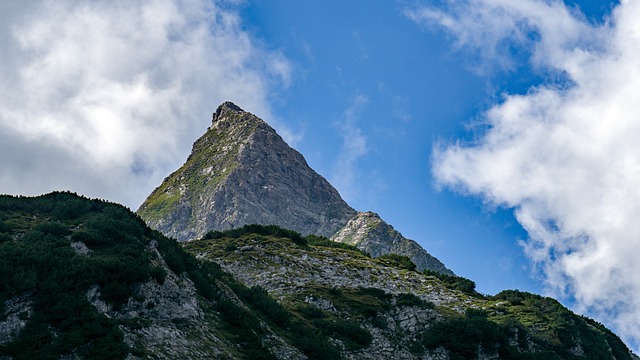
{"x": 399, "y": 261}
{"x": 512, "y": 324}
{"x": 263, "y": 230}
{"x": 455, "y": 282}
{"x": 315, "y": 240}
{"x": 39, "y": 263}
{"x": 529, "y": 327}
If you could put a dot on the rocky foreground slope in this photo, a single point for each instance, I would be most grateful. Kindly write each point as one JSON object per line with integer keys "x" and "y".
{"x": 241, "y": 172}
{"x": 87, "y": 279}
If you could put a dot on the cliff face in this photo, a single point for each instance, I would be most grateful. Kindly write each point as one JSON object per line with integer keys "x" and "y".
{"x": 368, "y": 232}
{"x": 242, "y": 172}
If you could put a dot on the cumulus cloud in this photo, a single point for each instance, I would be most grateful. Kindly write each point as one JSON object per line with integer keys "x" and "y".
{"x": 105, "y": 98}
{"x": 565, "y": 157}
{"x": 354, "y": 147}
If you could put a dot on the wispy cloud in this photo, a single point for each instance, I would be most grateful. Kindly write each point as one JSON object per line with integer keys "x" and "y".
{"x": 105, "y": 97}
{"x": 498, "y": 30}
{"x": 566, "y": 158}
{"x": 354, "y": 147}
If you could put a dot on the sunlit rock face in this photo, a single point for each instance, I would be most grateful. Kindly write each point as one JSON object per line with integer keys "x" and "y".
{"x": 242, "y": 172}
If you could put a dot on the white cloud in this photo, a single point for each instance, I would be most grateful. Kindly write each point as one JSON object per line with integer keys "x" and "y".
{"x": 566, "y": 158}
{"x": 104, "y": 98}
{"x": 354, "y": 146}
{"x": 493, "y": 29}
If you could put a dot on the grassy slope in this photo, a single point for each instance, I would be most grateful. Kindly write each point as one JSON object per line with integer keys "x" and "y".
{"x": 514, "y": 324}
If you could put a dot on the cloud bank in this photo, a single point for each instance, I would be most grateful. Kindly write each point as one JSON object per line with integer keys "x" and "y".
{"x": 101, "y": 97}
{"x": 565, "y": 155}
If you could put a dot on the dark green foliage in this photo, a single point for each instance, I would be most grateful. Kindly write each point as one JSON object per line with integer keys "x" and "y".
{"x": 244, "y": 327}
{"x": 38, "y": 260}
{"x": 260, "y": 300}
{"x": 310, "y": 311}
{"x": 264, "y": 230}
{"x": 158, "y": 274}
{"x": 400, "y": 261}
{"x": 5, "y": 237}
{"x": 405, "y": 299}
{"x": 455, "y": 282}
{"x": 364, "y": 303}
{"x": 462, "y": 336}
{"x": 54, "y": 228}
{"x": 312, "y": 343}
{"x": 174, "y": 256}
{"x": 515, "y": 297}
{"x": 202, "y": 273}
{"x": 351, "y": 333}
{"x": 315, "y": 240}
{"x": 42, "y": 263}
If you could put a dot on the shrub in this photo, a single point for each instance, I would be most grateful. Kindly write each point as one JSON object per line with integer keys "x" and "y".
{"x": 405, "y": 299}
{"x": 399, "y": 261}
{"x": 315, "y": 240}
{"x": 455, "y": 282}
{"x": 264, "y": 230}
{"x": 354, "y": 336}
{"x": 158, "y": 274}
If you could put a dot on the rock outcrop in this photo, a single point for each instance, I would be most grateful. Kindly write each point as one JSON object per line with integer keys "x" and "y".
{"x": 242, "y": 172}
{"x": 369, "y": 233}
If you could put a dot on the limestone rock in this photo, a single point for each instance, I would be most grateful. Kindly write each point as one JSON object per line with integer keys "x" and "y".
{"x": 242, "y": 172}
{"x": 17, "y": 311}
{"x": 368, "y": 232}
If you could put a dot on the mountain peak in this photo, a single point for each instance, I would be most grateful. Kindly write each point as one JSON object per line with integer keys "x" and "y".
{"x": 242, "y": 172}
{"x": 224, "y": 109}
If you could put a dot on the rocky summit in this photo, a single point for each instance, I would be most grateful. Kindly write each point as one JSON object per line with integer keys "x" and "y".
{"x": 242, "y": 172}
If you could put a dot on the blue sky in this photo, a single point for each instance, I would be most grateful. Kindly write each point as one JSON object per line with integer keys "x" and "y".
{"x": 378, "y": 78}
{"x": 500, "y": 135}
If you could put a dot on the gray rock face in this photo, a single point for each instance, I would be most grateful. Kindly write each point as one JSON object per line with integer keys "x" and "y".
{"x": 242, "y": 172}
{"x": 368, "y": 232}
{"x": 17, "y": 311}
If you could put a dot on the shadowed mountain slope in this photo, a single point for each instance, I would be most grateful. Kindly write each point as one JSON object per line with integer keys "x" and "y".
{"x": 87, "y": 279}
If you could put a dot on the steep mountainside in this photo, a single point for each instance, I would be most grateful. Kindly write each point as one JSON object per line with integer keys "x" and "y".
{"x": 382, "y": 308}
{"x": 242, "y": 172}
{"x": 87, "y": 279}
